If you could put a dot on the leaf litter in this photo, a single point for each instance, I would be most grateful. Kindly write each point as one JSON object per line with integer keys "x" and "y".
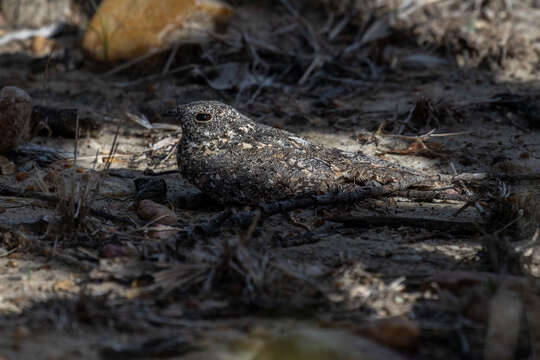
{"x": 441, "y": 269}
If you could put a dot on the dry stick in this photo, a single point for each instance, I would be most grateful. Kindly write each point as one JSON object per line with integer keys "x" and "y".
{"x": 313, "y": 39}
{"x": 44, "y": 248}
{"x": 7, "y": 253}
{"x": 317, "y": 62}
{"x": 260, "y": 44}
{"x": 339, "y": 27}
{"x": 404, "y": 123}
{"x": 74, "y": 170}
{"x": 450, "y": 179}
{"x": 429, "y": 195}
{"x": 172, "y": 55}
{"x": 421, "y": 139}
{"x": 130, "y": 63}
{"x": 153, "y": 77}
{"x": 261, "y": 86}
{"x": 328, "y": 24}
{"x": 65, "y": 256}
{"x": 256, "y": 59}
{"x": 8, "y": 190}
{"x": 245, "y": 218}
{"x": 426, "y": 136}
{"x": 146, "y": 56}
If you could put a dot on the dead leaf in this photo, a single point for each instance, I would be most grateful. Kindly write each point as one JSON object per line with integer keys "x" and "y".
{"x": 64, "y": 285}
{"x": 22, "y": 175}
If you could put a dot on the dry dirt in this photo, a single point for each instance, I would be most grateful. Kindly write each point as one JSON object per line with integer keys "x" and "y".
{"x": 349, "y": 280}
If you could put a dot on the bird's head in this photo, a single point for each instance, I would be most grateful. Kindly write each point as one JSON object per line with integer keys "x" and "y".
{"x": 203, "y": 121}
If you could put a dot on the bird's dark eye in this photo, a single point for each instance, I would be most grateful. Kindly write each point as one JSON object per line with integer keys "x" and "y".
{"x": 203, "y": 117}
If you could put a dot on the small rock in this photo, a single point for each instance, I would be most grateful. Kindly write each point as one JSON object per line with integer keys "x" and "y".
{"x": 150, "y": 211}
{"x": 125, "y": 29}
{"x": 15, "y": 122}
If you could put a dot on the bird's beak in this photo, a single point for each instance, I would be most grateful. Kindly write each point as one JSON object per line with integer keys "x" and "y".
{"x": 171, "y": 112}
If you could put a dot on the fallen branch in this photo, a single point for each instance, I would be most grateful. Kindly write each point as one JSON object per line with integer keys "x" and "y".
{"x": 35, "y": 243}
{"x": 8, "y": 190}
{"x": 244, "y": 218}
{"x": 429, "y": 195}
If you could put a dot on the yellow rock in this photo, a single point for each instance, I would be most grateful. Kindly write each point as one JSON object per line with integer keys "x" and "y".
{"x": 125, "y": 29}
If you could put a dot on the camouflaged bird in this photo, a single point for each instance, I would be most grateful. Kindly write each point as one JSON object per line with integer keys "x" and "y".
{"x": 233, "y": 159}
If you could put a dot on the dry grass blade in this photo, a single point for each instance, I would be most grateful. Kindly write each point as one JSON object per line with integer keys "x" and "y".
{"x": 234, "y": 264}
{"x": 313, "y": 39}
{"x": 76, "y": 196}
{"x": 180, "y": 276}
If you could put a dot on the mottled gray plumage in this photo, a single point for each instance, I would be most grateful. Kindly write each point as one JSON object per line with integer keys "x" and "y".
{"x": 236, "y": 160}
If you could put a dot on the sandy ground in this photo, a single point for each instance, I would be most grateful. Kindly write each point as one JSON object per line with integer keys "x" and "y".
{"x": 306, "y": 275}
